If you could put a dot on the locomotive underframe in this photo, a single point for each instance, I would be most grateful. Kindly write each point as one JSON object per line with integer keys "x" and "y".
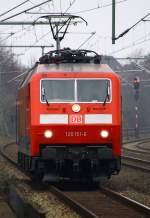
{"x": 72, "y": 162}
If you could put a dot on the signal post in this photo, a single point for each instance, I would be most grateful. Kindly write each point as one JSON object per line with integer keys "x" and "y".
{"x": 136, "y": 86}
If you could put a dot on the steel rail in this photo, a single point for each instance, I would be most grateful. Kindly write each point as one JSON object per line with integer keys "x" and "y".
{"x": 64, "y": 198}
{"x": 136, "y": 163}
{"x": 15, "y": 198}
{"x": 83, "y": 211}
{"x": 136, "y": 151}
{"x": 135, "y": 159}
{"x": 137, "y": 143}
{"x": 139, "y": 140}
{"x": 128, "y": 201}
{"x": 77, "y": 206}
{"x": 2, "y": 152}
{"x": 142, "y": 146}
{"x": 80, "y": 209}
{"x": 136, "y": 167}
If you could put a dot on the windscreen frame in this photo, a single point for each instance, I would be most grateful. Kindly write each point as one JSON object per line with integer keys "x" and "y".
{"x": 75, "y": 90}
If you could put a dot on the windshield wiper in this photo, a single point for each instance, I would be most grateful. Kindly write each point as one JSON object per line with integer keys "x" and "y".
{"x": 107, "y": 97}
{"x": 44, "y": 96}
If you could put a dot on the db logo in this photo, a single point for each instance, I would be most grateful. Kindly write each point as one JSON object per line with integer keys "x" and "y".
{"x": 76, "y": 119}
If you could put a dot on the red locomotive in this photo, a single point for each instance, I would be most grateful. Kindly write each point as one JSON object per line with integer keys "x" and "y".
{"x": 69, "y": 118}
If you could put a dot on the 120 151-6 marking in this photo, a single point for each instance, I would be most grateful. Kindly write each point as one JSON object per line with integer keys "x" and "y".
{"x": 75, "y": 134}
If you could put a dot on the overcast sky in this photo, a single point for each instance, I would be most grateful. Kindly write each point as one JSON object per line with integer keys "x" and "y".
{"x": 128, "y": 12}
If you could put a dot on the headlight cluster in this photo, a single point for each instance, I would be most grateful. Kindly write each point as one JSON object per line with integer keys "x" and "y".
{"x": 104, "y": 134}
{"x": 48, "y": 134}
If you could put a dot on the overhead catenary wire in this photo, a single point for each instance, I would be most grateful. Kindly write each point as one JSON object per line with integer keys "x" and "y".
{"x": 32, "y": 2}
{"x": 93, "y": 39}
{"x": 92, "y": 34}
{"x": 128, "y": 29}
{"x": 139, "y": 41}
{"x": 71, "y": 4}
{"x": 25, "y": 29}
{"x": 80, "y": 33}
{"x": 130, "y": 45}
{"x": 10, "y": 35}
{"x": 98, "y": 7}
{"x": 14, "y": 33}
{"x": 65, "y": 11}
{"x": 15, "y": 15}
{"x": 15, "y": 7}
{"x": 43, "y": 36}
{"x": 22, "y": 31}
{"x": 35, "y": 4}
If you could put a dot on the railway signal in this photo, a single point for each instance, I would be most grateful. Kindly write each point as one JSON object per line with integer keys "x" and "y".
{"x": 136, "y": 86}
{"x": 136, "y": 83}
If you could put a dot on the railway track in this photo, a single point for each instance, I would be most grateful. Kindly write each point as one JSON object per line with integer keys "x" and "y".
{"x": 137, "y": 146}
{"x": 136, "y": 163}
{"x": 100, "y": 203}
{"x": 135, "y": 156}
{"x": 11, "y": 157}
{"x": 145, "y": 146}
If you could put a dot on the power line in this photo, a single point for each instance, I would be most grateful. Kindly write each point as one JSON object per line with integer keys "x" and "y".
{"x": 23, "y": 23}
{"x": 31, "y": 2}
{"x": 26, "y": 23}
{"x": 98, "y": 7}
{"x": 26, "y": 46}
{"x": 25, "y": 10}
{"x": 71, "y": 3}
{"x": 127, "y": 30}
{"x": 130, "y": 45}
{"x": 13, "y": 8}
{"x": 10, "y": 35}
{"x": 92, "y": 34}
{"x": 37, "y": 42}
{"x": 81, "y": 33}
{"x": 139, "y": 41}
{"x": 24, "y": 29}
{"x": 35, "y": 4}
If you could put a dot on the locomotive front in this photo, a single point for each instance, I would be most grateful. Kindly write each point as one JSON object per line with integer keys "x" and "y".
{"x": 75, "y": 121}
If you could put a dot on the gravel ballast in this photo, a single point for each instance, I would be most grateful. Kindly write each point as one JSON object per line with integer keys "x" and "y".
{"x": 44, "y": 200}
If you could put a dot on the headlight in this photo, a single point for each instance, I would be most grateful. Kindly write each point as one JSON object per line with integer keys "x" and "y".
{"x": 76, "y": 108}
{"x": 48, "y": 134}
{"x": 104, "y": 133}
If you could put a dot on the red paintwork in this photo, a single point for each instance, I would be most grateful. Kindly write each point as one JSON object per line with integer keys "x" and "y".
{"x": 30, "y": 109}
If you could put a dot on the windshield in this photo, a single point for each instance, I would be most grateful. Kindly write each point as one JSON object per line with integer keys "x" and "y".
{"x": 92, "y": 90}
{"x": 79, "y": 90}
{"x": 58, "y": 90}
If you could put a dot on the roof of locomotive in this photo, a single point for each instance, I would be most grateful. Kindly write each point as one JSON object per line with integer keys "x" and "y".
{"x": 68, "y": 61}
{"x": 68, "y": 67}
